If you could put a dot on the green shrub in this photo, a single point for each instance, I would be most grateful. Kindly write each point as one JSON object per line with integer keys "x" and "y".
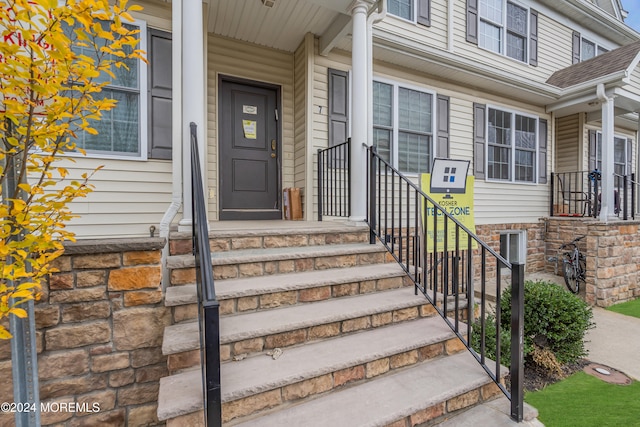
{"x": 553, "y": 319}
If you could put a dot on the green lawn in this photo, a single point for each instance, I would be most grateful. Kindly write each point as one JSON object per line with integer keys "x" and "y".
{"x": 585, "y": 401}
{"x": 629, "y": 308}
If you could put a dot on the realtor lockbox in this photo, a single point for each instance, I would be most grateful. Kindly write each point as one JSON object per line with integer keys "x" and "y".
{"x": 292, "y": 203}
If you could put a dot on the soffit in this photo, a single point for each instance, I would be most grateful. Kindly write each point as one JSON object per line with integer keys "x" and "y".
{"x": 282, "y": 26}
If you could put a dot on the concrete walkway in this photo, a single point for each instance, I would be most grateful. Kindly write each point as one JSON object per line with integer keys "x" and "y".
{"x": 615, "y": 341}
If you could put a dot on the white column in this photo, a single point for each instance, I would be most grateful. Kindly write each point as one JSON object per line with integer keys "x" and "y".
{"x": 192, "y": 99}
{"x": 607, "y": 198}
{"x": 359, "y": 123}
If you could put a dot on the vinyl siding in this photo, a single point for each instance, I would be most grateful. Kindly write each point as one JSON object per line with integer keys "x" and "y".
{"x": 129, "y": 195}
{"x": 568, "y": 136}
{"x": 495, "y": 202}
{"x": 634, "y": 87}
{"x": 433, "y": 36}
{"x": 229, "y": 57}
{"x": 554, "y": 48}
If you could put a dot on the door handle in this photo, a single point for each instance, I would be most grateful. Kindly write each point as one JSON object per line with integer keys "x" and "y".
{"x": 273, "y": 144}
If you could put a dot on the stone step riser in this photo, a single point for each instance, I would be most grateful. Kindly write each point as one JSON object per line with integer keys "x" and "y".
{"x": 219, "y": 244}
{"x": 254, "y": 303}
{"x": 182, "y": 276}
{"x": 353, "y": 375}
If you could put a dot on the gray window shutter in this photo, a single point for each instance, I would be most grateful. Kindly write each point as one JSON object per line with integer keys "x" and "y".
{"x": 533, "y": 38}
{"x": 479, "y": 139}
{"x": 575, "y": 47}
{"x": 338, "y": 107}
{"x": 442, "y": 147}
{"x": 593, "y": 141}
{"x": 542, "y": 151}
{"x": 159, "y": 57}
{"x": 424, "y": 12}
{"x": 472, "y": 21}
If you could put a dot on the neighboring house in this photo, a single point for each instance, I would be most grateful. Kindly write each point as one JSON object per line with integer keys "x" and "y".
{"x": 519, "y": 88}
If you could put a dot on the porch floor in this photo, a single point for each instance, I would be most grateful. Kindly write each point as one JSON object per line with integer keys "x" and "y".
{"x": 283, "y": 225}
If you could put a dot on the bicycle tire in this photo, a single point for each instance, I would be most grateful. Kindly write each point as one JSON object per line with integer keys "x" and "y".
{"x": 570, "y": 276}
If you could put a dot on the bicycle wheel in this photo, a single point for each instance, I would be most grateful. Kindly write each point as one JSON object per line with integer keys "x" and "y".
{"x": 570, "y": 276}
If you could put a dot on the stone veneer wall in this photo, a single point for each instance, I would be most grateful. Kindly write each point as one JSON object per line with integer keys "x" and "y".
{"x": 613, "y": 256}
{"x": 490, "y": 233}
{"x": 99, "y": 325}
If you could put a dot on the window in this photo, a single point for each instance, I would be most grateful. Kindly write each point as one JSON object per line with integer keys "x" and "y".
{"x": 403, "y": 126}
{"x": 401, "y": 8}
{"x": 513, "y": 246}
{"x": 584, "y": 49}
{"x": 412, "y": 10}
{"x": 620, "y": 155}
{"x": 503, "y": 28}
{"x": 122, "y": 130}
{"x": 511, "y": 146}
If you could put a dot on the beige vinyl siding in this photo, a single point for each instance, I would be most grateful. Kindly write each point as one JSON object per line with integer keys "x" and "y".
{"x": 234, "y": 58}
{"x": 554, "y": 48}
{"x": 129, "y": 197}
{"x": 634, "y": 87}
{"x": 568, "y": 136}
{"x": 495, "y": 202}
{"x": 433, "y": 36}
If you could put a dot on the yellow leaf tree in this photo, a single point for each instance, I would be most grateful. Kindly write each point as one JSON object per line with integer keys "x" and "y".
{"x": 55, "y": 58}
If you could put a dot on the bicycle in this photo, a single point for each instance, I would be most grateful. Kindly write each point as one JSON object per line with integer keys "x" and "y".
{"x": 574, "y": 265}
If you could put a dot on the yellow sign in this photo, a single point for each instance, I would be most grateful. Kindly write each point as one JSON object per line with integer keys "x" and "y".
{"x": 249, "y": 128}
{"x": 459, "y": 206}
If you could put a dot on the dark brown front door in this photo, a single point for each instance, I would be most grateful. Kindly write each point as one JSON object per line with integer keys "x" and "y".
{"x": 249, "y": 150}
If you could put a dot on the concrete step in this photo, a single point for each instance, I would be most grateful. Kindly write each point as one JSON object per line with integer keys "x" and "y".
{"x": 494, "y": 413}
{"x": 291, "y": 325}
{"x": 264, "y": 292}
{"x": 321, "y": 366}
{"x": 259, "y": 262}
{"x": 293, "y": 235}
{"x": 417, "y": 395}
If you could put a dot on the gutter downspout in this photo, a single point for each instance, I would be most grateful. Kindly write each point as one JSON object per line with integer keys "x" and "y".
{"x": 378, "y": 14}
{"x": 176, "y": 133}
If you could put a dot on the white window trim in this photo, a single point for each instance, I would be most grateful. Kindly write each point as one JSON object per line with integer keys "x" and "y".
{"x": 626, "y": 154}
{"x": 513, "y": 147}
{"x": 143, "y": 110}
{"x": 503, "y": 31}
{"x": 395, "y": 121}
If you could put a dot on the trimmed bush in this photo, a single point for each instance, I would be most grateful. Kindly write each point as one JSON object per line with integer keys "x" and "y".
{"x": 555, "y": 322}
{"x": 554, "y": 319}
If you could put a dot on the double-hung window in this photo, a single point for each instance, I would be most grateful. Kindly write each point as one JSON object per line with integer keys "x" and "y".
{"x": 412, "y": 10}
{"x": 403, "y": 126}
{"x": 511, "y": 146}
{"x": 589, "y": 49}
{"x": 121, "y": 130}
{"x": 503, "y": 28}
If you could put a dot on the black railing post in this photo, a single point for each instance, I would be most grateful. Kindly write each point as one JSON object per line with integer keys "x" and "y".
{"x": 625, "y": 206}
{"x": 372, "y": 195}
{"x": 212, "y": 353}
{"x": 320, "y": 184}
{"x": 633, "y": 196}
{"x": 517, "y": 342}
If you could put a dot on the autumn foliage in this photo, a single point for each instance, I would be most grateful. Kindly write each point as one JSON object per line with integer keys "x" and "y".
{"x": 55, "y": 58}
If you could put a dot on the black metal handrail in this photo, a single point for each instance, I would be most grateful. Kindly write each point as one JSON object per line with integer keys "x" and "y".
{"x": 334, "y": 177}
{"x": 578, "y": 194}
{"x": 445, "y": 260}
{"x": 208, "y": 305}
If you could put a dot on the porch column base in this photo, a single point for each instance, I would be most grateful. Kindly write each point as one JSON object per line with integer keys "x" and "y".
{"x": 185, "y": 225}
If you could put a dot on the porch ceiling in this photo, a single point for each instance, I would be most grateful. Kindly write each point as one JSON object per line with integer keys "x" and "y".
{"x": 282, "y": 26}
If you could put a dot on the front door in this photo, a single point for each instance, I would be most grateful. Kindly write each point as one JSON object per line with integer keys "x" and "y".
{"x": 249, "y": 149}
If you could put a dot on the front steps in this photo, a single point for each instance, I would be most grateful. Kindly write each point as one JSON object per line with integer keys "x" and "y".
{"x": 359, "y": 348}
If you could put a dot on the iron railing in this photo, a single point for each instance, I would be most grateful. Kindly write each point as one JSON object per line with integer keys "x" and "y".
{"x": 208, "y": 305}
{"x": 446, "y": 261}
{"x": 334, "y": 177}
{"x": 578, "y": 194}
